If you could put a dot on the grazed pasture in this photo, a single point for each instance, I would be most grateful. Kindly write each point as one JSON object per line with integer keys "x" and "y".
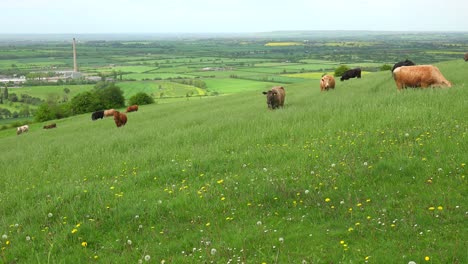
{"x": 360, "y": 174}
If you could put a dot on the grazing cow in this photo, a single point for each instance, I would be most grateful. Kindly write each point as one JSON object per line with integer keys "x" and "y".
{"x": 109, "y": 112}
{"x": 275, "y": 97}
{"x": 132, "y": 108}
{"x": 466, "y": 56}
{"x": 327, "y": 82}
{"x": 351, "y": 74}
{"x": 98, "y": 114}
{"x": 419, "y": 76}
{"x": 53, "y": 125}
{"x": 402, "y": 63}
{"x": 22, "y": 129}
{"x": 120, "y": 118}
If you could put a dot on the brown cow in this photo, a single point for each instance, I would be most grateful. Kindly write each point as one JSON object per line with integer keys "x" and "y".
{"x": 53, "y": 125}
{"x": 120, "y": 118}
{"x": 327, "y": 82}
{"x": 275, "y": 97}
{"x": 109, "y": 112}
{"x": 132, "y": 108}
{"x": 466, "y": 56}
{"x": 419, "y": 76}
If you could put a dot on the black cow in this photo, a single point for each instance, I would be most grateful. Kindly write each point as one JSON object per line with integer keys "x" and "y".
{"x": 403, "y": 63}
{"x": 351, "y": 74}
{"x": 97, "y": 114}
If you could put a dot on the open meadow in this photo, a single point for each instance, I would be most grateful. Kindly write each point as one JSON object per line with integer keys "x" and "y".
{"x": 360, "y": 174}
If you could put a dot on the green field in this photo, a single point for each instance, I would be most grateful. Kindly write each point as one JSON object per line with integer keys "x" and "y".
{"x": 230, "y": 86}
{"x": 57, "y": 90}
{"x": 360, "y": 174}
{"x": 156, "y": 88}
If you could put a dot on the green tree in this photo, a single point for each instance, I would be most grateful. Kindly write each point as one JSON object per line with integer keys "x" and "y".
{"x": 85, "y": 102}
{"x": 5, "y": 92}
{"x": 385, "y": 67}
{"x": 43, "y": 113}
{"x": 110, "y": 95}
{"x": 340, "y": 70}
{"x": 141, "y": 99}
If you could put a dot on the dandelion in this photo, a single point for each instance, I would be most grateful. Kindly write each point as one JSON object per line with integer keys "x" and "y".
{"x": 213, "y": 251}
{"x": 306, "y": 191}
{"x": 281, "y": 240}
{"x": 84, "y": 244}
{"x": 137, "y": 216}
{"x": 427, "y": 258}
{"x": 431, "y": 208}
{"x": 265, "y": 169}
{"x": 208, "y": 224}
{"x": 411, "y": 262}
{"x": 96, "y": 257}
{"x": 147, "y": 257}
{"x": 333, "y": 165}
{"x": 129, "y": 242}
{"x": 342, "y": 242}
{"x": 50, "y": 215}
{"x": 259, "y": 222}
{"x": 327, "y": 200}
{"x": 220, "y": 181}
{"x": 28, "y": 238}
{"x": 74, "y": 231}
{"x": 4, "y": 236}
{"x": 440, "y": 208}
{"x": 365, "y": 163}
{"x": 406, "y": 135}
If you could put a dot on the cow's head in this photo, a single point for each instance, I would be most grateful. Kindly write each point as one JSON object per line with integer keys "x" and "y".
{"x": 272, "y": 99}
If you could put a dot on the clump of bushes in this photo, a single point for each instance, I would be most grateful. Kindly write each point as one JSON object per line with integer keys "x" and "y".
{"x": 141, "y": 99}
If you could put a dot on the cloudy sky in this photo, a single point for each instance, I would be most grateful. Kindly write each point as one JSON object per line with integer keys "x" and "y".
{"x": 216, "y": 16}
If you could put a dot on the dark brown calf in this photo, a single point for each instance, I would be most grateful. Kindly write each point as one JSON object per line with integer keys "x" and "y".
{"x": 132, "y": 108}
{"x": 53, "y": 125}
{"x": 275, "y": 97}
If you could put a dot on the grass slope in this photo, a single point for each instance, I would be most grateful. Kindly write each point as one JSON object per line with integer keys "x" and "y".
{"x": 359, "y": 174}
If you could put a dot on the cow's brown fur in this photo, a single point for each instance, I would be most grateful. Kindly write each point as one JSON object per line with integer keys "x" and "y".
{"x": 466, "y": 56}
{"x": 120, "y": 118}
{"x": 327, "y": 82}
{"x": 109, "y": 112}
{"x": 419, "y": 76}
{"x": 53, "y": 125}
{"x": 275, "y": 97}
{"x": 132, "y": 108}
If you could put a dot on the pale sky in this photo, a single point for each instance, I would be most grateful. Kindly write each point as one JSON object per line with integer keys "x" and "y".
{"x": 235, "y": 16}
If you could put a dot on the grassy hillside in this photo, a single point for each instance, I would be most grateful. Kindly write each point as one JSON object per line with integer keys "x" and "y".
{"x": 361, "y": 174}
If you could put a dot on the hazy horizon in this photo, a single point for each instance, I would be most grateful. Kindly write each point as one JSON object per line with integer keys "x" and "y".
{"x": 241, "y": 16}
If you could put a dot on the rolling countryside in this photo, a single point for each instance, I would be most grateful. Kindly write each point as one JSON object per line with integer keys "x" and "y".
{"x": 362, "y": 173}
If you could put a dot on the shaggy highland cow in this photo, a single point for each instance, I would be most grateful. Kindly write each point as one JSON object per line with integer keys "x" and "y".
{"x": 275, "y": 97}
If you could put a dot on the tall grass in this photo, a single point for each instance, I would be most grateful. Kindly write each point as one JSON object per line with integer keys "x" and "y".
{"x": 359, "y": 174}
